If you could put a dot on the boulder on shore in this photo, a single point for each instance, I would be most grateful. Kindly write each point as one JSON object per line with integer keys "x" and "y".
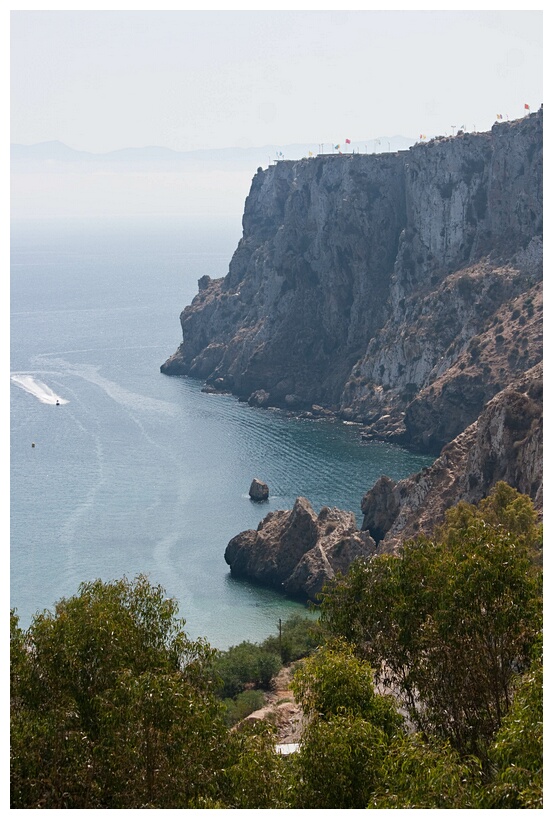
{"x": 259, "y": 491}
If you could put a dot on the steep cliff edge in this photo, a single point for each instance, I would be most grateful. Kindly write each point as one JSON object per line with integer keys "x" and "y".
{"x": 307, "y": 285}
{"x": 380, "y": 285}
{"x": 505, "y": 443}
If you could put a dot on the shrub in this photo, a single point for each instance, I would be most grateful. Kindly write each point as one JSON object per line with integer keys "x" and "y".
{"x": 245, "y": 703}
{"x": 450, "y": 621}
{"x": 112, "y": 705}
{"x": 517, "y": 751}
{"x": 299, "y": 637}
{"x": 246, "y": 664}
{"x": 420, "y": 774}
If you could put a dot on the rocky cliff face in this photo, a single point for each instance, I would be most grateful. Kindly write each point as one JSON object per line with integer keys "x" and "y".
{"x": 307, "y": 285}
{"x": 505, "y": 443}
{"x": 376, "y": 285}
{"x": 402, "y": 291}
{"x": 298, "y": 552}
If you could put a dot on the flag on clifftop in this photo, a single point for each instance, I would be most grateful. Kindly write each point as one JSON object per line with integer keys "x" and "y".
{"x": 526, "y": 106}
{"x": 348, "y": 141}
{"x": 336, "y": 147}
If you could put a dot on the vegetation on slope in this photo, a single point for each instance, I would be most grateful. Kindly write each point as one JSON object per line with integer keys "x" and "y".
{"x": 113, "y": 706}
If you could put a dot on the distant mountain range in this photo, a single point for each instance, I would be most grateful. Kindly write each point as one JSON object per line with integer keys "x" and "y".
{"x": 58, "y": 152}
{"x": 51, "y": 179}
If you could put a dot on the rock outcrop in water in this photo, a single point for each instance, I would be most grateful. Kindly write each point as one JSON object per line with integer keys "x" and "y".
{"x": 259, "y": 491}
{"x": 402, "y": 291}
{"x": 297, "y": 551}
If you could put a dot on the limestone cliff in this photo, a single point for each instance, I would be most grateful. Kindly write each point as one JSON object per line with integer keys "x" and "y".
{"x": 307, "y": 285}
{"x": 400, "y": 290}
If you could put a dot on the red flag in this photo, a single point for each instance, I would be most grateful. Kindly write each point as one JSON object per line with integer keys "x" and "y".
{"x": 526, "y": 106}
{"x": 348, "y": 141}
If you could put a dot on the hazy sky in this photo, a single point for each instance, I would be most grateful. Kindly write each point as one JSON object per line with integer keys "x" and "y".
{"x": 102, "y": 80}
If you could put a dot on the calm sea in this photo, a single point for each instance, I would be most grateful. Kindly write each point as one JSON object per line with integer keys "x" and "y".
{"x": 137, "y": 472}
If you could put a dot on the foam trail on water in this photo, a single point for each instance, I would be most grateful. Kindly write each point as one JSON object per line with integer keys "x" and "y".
{"x": 37, "y": 388}
{"x": 114, "y": 390}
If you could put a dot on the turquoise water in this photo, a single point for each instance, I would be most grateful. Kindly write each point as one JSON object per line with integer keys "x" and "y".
{"x": 135, "y": 471}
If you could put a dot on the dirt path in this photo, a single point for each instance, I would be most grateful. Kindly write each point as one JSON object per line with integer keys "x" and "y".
{"x": 282, "y": 709}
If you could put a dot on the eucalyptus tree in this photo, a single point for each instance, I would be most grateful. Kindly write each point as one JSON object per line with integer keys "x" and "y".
{"x": 113, "y": 706}
{"x": 449, "y": 622}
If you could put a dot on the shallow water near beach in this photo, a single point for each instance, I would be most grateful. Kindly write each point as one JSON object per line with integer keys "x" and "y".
{"x": 117, "y": 469}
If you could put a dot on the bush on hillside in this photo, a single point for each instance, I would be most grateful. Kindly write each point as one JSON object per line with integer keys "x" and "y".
{"x": 246, "y": 665}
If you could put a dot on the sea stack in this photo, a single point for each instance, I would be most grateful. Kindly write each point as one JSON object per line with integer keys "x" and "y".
{"x": 259, "y": 491}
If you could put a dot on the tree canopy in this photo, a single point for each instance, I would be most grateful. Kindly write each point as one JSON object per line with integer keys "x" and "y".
{"x": 450, "y": 622}
{"x": 114, "y": 707}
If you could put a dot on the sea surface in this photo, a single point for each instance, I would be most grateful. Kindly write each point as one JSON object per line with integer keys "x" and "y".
{"x": 117, "y": 469}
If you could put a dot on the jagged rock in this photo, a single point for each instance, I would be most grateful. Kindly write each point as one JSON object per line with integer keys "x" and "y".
{"x": 297, "y": 551}
{"x": 259, "y": 398}
{"x": 321, "y": 412}
{"x": 380, "y": 507}
{"x": 259, "y": 491}
{"x": 504, "y": 444}
{"x": 361, "y": 282}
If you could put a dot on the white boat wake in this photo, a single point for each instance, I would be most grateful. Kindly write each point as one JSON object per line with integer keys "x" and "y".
{"x": 115, "y": 391}
{"x": 37, "y": 388}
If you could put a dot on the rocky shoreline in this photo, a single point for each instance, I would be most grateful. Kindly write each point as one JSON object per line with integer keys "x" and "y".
{"x": 298, "y": 552}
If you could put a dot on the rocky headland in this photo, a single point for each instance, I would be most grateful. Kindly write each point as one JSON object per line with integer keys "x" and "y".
{"x": 298, "y": 551}
{"x": 402, "y": 291}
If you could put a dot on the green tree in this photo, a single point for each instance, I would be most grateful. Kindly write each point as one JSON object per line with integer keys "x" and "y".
{"x": 246, "y": 664}
{"x": 349, "y": 729}
{"x": 504, "y": 508}
{"x": 243, "y": 704}
{"x": 420, "y": 774}
{"x": 112, "y": 705}
{"x": 338, "y": 764}
{"x": 517, "y": 750}
{"x": 334, "y": 681}
{"x": 258, "y": 778}
{"x": 449, "y": 622}
{"x": 298, "y": 637}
